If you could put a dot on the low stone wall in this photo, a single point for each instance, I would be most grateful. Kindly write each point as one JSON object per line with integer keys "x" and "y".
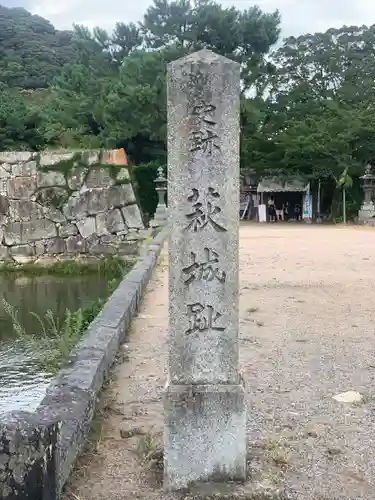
{"x": 59, "y": 203}
{"x": 38, "y": 451}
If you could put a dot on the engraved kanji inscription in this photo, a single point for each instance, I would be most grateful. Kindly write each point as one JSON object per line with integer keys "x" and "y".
{"x": 203, "y": 318}
{"x": 204, "y": 210}
{"x": 206, "y": 270}
{"x": 204, "y": 137}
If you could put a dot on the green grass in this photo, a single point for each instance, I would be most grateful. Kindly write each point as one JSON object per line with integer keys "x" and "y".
{"x": 55, "y": 337}
{"x": 112, "y": 267}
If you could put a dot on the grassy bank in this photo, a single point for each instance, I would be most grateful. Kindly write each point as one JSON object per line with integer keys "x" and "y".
{"x": 56, "y": 336}
{"x": 111, "y": 267}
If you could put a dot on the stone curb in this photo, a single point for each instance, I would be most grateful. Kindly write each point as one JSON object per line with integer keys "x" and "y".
{"x": 38, "y": 450}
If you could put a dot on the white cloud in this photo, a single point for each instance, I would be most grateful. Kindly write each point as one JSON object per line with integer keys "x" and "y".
{"x": 298, "y": 16}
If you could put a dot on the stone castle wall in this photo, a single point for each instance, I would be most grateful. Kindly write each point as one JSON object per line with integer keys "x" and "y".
{"x": 59, "y": 203}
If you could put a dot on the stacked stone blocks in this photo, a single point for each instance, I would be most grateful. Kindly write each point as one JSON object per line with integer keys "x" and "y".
{"x": 64, "y": 203}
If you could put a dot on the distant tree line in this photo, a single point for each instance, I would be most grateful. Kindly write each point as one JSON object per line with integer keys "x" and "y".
{"x": 307, "y": 107}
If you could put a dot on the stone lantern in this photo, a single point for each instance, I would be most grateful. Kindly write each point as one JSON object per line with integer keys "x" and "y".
{"x": 160, "y": 217}
{"x": 367, "y": 211}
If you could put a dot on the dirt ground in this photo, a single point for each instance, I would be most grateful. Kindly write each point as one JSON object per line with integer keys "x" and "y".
{"x": 306, "y": 334}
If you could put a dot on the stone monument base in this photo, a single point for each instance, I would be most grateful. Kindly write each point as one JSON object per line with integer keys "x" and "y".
{"x": 204, "y": 434}
{"x": 160, "y": 217}
{"x": 367, "y": 213}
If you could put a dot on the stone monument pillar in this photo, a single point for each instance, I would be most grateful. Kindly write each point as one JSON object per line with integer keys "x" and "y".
{"x": 366, "y": 213}
{"x": 160, "y": 216}
{"x": 204, "y": 400}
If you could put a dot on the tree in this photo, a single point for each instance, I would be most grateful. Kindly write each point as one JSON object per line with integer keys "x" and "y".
{"x": 125, "y": 39}
{"x": 135, "y": 107}
{"x": 345, "y": 182}
{"x": 337, "y": 64}
{"x": 113, "y": 92}
{"x": 32, "y": 51}
{"x": 245, "y": 36}
{"x": 20, "y": 126}
{"x": 74, "y": 114}
{"x": 321, "y": 101}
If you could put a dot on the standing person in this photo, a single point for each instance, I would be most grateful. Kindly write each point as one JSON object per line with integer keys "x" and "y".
{"x": 286, "y": 211}
{"x": 297, "y": 211}
{"x": 279, "y": 206}
{"x": 271, "y": 209}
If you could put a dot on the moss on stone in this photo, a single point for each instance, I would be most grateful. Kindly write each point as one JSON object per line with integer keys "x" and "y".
{"x": 64, "y": 166}
{"x": 53, "y": 196}
{"x": 81, "y": 160}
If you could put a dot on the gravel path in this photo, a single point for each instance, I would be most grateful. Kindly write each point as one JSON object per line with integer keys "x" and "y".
{"x": 306, "y": 335}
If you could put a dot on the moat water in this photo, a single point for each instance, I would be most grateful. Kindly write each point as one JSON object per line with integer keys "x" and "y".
{"x": 22, "y": 382}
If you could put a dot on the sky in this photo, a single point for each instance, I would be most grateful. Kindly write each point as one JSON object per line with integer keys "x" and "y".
{"x": 298, "y": 16}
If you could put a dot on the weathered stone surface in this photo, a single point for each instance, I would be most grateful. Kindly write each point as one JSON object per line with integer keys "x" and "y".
{"x": 88, "y": 203}
{"x": 86, "y": 227}
{"x": 121, "y": 195}
{"x": 109, "y": 222}
{"x": 50, "y": 178}
{"x": 132, "y": 216}
{"x": 22, "y": 254}
{"x": 56, "y": 245}
{"x": 128, "y": 248}
{"x": 75, "y": 244}
{"x": 21, "y": 188}
{"x": 54, "y": 214}
{"x": 67, "y": 230}
{"x": 160, "y": 216}
{"x": 97, "y": 247}
{"x": 26, "y": 250}
{"x": 4, "y": 205}
{"x": 53, "y": 157}
{"x": 24, "y": 210}
{"x": 52, "y": 196}
{"x": 123, "y": 174}
{"x": 4, "y": 172}
{"x": 111, "y": 239}
{"x": 114, "y": 157}
{"x": 70, "y": 207}
{"x": 7, "y": 167}
{"x": 4, "y": 219}
{"x": 16, "y": 233}
{"x": 3, "y": 252}
{"x": 15, "y": 157}
{"x": 92, "y": 157}
{"x": 24, "y": 169}
{"x": 37, "y": 204}
{"x": 40, "y": 248}
{"x": 204, "y": 398}
{"x": 98, "y": 177}
{"x": 215, "y": 412}
{"x": 76, "y": 178}
{"x": 134, "y": 235}
{"x": 30, "y": 463}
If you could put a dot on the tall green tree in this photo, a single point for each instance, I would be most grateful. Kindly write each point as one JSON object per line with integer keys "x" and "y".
{"x": 245, "y": 36}
{"x": 74, "y": 113}
{"x": 113, "y": 92}
{"x": 32, "y": 51}
{"x": 321, "y": 102}
{"x": 21, "y": 127}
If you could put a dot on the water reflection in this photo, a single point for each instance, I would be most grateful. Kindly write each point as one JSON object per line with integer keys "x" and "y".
{"x": 22, "y": 384}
